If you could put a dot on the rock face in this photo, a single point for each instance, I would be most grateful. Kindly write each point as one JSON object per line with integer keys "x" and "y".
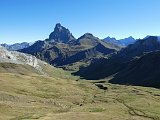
{"x": 19, "y": 58}
{"x": 63, "y": 49}
{"x": 16, "y": 46}
{"x": 26, "y": 64}
{"x": 61, "y": 34}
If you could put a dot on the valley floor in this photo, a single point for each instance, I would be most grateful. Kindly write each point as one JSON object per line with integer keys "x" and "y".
{"x": 30, "y": 97}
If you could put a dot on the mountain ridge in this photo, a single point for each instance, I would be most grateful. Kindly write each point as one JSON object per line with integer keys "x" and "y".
{"x": 121, "y": 42}
{"x": 62, "y": 48}
{"x": 120, "y": 61}
{"x": 16, "y": 46}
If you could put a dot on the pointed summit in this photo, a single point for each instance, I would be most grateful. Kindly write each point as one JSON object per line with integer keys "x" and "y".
{"x": 88, "y": 36}
{"x": 58, "y": 25}
{"x": 61, "y": 34}
{"x": 88, "y": 39}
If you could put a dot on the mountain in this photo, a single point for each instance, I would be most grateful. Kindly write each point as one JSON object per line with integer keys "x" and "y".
{"x": 158, "y": 38}
{"x": 16, "y": 46}
{"x": 122, "y": 60}
{"x": 111, "y": 40}
{"x": 87, "y": 40}
{"x": 140, "y": 47}
{"x": 143, "y": 71}
{"x": 63, "y": 49}
{"x": 61, "y": 34}
{"x": 127, "y": 41}
{"x": 122, "y": 42}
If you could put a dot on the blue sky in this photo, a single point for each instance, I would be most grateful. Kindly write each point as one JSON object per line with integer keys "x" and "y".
{"x": 31, "y": 20}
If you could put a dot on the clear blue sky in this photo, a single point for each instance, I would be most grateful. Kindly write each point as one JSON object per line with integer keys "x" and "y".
{"x": 31, "y": 20}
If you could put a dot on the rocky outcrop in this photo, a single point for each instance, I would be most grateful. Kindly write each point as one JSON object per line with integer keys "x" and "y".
{"x": 20, "y": 58}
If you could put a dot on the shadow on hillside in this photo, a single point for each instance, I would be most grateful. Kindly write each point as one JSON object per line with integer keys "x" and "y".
{"x": 144, "y": 71}
{"x": 100, "y": 69}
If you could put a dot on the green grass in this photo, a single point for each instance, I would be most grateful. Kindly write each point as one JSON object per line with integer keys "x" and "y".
{"x": 58, "y": 96}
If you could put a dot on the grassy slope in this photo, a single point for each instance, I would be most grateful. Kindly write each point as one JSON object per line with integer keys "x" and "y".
{"x": 29, "y": 96}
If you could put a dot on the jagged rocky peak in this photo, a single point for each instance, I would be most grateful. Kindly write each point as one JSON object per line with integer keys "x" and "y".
{"x": 109, "y": 38}
{"x": 61, "y": 34}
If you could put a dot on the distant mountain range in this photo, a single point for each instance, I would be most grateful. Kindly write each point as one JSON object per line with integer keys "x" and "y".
{"x": 122, "y": 42}
{"x": 16, "y": 46}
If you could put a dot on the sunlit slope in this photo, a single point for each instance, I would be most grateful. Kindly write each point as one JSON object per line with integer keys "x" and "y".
{"x": 29, "y": 95}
